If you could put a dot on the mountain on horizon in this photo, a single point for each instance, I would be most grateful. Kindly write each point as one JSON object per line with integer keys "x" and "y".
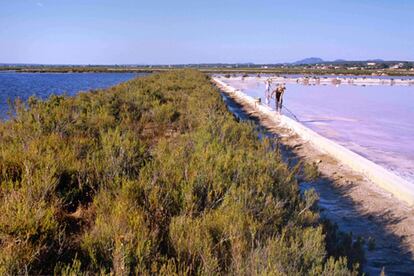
{"x": 311, "y": 60}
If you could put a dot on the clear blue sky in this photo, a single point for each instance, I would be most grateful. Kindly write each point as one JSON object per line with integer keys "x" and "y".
{"x": 195, "y": 31}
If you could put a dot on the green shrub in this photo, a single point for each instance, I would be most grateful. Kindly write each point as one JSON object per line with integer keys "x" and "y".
{"x": 154, "y": 176}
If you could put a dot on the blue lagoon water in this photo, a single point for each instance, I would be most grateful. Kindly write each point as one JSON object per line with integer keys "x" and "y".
{"x": 24, "y": 85}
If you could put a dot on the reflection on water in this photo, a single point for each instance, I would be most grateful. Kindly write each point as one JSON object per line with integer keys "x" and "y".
{"x": 375, "y": 121}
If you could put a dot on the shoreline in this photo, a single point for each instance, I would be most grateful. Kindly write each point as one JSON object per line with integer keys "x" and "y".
{"x": 382, "y": 177}
{"x": 215, "y": 70}
{"x": 388, "y": 220}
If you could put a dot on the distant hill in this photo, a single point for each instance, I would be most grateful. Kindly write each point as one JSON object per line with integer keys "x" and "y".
{"x": 339, "y": 61}
{"x": 311, "y": 60}
{"x": 357, "y": 62}
{"x": 375, "y": 60}
{"x": 316, "y": 60}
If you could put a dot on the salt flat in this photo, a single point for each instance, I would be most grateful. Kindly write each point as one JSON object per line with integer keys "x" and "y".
{"x": 377, "y": 122}
{"x": 357, "y": 194}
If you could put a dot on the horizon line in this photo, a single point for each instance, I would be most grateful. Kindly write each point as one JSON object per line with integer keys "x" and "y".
{"x": 202, "y": 63}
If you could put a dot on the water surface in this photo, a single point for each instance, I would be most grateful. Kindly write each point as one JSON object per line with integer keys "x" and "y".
{"x": 376, "y": 122}
{"x": 337, "y": 206}
{"x": 24, "y": 85}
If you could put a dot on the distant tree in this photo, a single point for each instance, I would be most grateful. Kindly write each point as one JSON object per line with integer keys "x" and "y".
{"x": 383, "y": 66}
{"x": 407, "y": 65}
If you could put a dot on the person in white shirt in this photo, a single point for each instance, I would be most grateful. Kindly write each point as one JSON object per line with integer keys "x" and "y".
{"x": 268, "y": 93}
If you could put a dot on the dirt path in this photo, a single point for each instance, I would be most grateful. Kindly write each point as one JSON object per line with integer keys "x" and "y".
{"x": 348, "y": 198}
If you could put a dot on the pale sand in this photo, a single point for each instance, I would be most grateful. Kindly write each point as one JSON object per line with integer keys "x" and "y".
{"x": 392, "y": 219}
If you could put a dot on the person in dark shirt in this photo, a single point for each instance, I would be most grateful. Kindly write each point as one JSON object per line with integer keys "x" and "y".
{"x": 278, "y": 93}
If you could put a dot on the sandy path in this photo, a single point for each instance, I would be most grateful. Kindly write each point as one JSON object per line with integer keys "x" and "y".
{"x": 352, "y": 201}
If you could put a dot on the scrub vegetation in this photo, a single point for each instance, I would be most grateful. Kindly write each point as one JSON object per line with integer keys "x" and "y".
{"x": 155, "y": 176}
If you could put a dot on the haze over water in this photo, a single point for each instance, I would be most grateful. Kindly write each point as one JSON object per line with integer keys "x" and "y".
{"x": 376, "y": 122}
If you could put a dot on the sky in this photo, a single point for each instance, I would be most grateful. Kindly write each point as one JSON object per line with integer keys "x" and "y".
{"x": 201, "y": 31}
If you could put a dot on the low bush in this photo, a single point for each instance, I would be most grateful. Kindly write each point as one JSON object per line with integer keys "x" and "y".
{"x": 154, "y": 176}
